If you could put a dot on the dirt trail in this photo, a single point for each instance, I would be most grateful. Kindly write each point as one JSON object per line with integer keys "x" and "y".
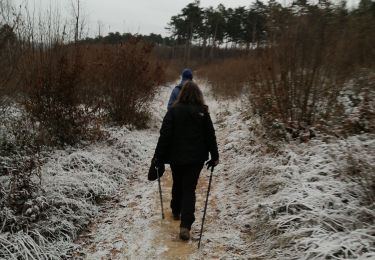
{"x": 167, "y": 229}
{"x": 130, "y": 227}
{"x": 133, "y": 228}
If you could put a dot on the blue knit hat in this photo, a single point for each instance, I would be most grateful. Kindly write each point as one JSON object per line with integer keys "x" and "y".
{"x": 187, "y": 74}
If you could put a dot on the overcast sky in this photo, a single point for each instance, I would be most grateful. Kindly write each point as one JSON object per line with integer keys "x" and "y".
{"x": 135, "y": 16}
{"x": 143, "y": 16}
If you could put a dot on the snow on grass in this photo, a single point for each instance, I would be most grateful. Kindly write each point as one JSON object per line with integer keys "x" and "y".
{"x": 305, "y": 202}
{"x": 73, "y": 183}
{"x": 124, "y": 230}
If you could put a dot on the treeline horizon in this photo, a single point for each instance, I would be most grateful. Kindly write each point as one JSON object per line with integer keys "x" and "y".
{"x": 240, "y": 26}
{"x": 251, "y": 24}
{"x": 205, "y": 32}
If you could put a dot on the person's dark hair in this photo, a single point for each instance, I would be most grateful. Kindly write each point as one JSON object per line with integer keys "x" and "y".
{"x": 190, "y": 94}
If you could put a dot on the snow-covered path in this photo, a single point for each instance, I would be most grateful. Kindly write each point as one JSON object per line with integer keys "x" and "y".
{"x": 131, "y": 226}
{"x": 299, "y": 203}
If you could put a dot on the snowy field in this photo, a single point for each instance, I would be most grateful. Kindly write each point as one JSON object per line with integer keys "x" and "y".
{"x": 304, "y": 202}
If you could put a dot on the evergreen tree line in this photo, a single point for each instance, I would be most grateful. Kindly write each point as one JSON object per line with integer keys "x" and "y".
{"x": 295, "y": 61}
{"x": 116, "y": 38}
{"x": 201, "y": 32}
{"x": 259, "y": 23}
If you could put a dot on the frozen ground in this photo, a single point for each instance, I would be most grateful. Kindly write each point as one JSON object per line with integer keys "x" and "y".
{"x": 305, "y": 202}
{"x": 74, "y": 183}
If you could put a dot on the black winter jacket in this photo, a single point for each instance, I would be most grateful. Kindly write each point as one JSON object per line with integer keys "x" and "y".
{"x": 187, "y": 136}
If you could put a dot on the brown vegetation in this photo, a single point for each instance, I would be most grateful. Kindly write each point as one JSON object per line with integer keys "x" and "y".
{"x": 69, "y": 90}
{"x": 51, "y": 81}
{"x": 125, "y": 77}
{"x": 297, "y": 75}
{"x": 227, "y": 77}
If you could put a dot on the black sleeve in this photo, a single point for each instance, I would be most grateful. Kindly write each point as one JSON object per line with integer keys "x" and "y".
{"x": 211, "y": 138}
{"x": 165, "y": 138}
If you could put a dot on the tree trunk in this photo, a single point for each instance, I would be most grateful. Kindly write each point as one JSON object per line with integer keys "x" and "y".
{"x": 213, "y": 43}
{"x": 189, "y": 45}
{"x": 204, "y": 45}
{"x": 77, "y": 13}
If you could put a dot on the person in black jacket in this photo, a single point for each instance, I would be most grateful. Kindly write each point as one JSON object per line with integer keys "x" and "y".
{"x": 187, "y": 137}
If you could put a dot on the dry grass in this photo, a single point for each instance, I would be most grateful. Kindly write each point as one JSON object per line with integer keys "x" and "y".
{"x": 51, "y": 87}
{"x": 227, "y": 77}
{"x": 125, "y": 78}
{"x": 296, "y": 77}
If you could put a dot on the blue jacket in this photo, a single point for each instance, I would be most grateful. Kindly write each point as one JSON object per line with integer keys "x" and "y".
{"x": 187, "y": 74}
{"x": 174, "y": 94}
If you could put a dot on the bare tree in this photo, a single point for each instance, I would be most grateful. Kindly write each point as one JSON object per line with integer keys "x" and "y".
{"x": 100, "y": 28}
{"x": 9, "y": 21}
{"x": 79, "y": 21}
{"x": 5, "y": 11}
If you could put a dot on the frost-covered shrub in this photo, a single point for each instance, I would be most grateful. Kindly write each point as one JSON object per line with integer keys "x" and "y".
{"x": 52, "y": 86}
{"x": 361, "y": 169}
{"x": 10, "y": 52}
{"x": 308, "y": 207}
{"x": 357, "y": 104}
{"x": 125, "y": 77}
{"x": 48, "y": 197}
{"x": 309, "y": 200}
{"x": 19, "y": 171}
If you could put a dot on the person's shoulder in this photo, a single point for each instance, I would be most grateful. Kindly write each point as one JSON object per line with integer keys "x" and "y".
{"x": 176, "y": 89}
{"x": 178, "y": 106}
{"x": 201, "y": 109}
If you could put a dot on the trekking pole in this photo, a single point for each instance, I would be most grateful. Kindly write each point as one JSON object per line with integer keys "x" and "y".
{"x": 161, "y": 196}
{"x": 205, "y": 206}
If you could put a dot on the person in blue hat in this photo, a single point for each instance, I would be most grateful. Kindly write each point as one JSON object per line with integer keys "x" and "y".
{"x": 187, "y": 75}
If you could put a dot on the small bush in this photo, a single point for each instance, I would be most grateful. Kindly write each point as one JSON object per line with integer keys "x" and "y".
{"x": 295, "y": 76}
{"x": 299, "y": 74}
{"x": 126, "y": 78}
{"x": 9, "y": 56}
{"x": 357, "y": 105}
{"x": 52, "y": 86}
{"x": 362, "y": 172}
{"x": 292, "y": 80}
{"x": 19, "y": 170}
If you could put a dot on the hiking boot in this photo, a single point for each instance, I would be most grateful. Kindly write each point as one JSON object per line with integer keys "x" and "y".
{"x": 184, "y": 233}
{"x": 176, "y": 217}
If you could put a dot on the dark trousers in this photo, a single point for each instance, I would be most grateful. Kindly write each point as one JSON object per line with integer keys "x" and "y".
{"x": 185, "y": 179}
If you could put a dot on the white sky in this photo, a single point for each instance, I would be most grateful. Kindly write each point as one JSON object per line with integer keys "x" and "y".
{"x": 134, "y": 16}
{"x": 142, "y": 16}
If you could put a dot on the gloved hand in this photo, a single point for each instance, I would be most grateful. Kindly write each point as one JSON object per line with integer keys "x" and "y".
{"x": 212, "y": 164}
{"x": 156, "y": 170}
